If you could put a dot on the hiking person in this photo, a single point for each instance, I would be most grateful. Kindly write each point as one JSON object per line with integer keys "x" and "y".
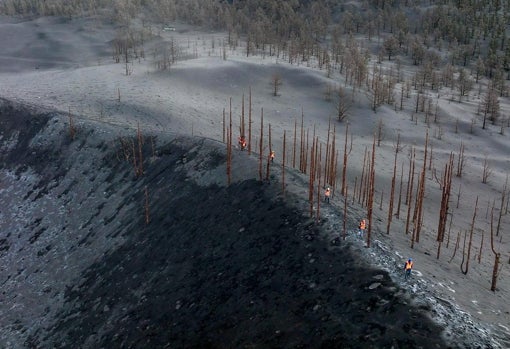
{"x": 362, "y": 227}
{"x": 408, "y": 267}
{"x": 242, "y": 142}
{"x": 327, "y": 194}
{"x": 271, "y": 155}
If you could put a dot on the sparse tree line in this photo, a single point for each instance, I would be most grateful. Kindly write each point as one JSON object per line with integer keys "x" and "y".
{"x": 470, "y": 36}
{"x": 414, "y": 178}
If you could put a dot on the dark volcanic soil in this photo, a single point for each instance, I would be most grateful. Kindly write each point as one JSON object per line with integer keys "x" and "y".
{"x": 216, "y": 266}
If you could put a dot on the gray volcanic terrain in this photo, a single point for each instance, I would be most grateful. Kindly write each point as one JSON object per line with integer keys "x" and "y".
{"x": 119, "y": 227}
{"x": 215, "y": 266}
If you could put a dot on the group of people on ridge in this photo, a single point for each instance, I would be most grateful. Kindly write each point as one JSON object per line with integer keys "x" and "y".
{"x": 242, "y": 146}
{"x": 362, "y": 226}
{"x": 408, "y": 267}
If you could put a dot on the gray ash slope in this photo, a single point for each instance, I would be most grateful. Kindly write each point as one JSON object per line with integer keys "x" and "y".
{"x": 216, "y": 267}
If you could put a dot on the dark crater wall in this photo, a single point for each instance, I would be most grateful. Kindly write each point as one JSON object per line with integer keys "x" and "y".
{"x": 216, "y": 267}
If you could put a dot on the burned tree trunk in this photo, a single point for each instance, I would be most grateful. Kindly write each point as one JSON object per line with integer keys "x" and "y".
{"x": 283, "y": 161}
{"x": 497, "y": 256}
{"x": 371, "y": 184}
{"x": 446, "y": 185}
{"x": 268, "y": 162}
{"x": 410, "y": 183}
{"x": 465, "y": 269}
{"x": 392, "y": 193}
{"x": 421, "y": 193}
{"x": 261, "y": 143}
{"x": 249, "y": 123}
{"x": 346, "y": 155}
{"x": 311, "y": 178}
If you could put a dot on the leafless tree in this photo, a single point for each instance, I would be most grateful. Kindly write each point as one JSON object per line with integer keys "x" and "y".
{"x": 501, "y": 211}
{"x": 390, "y": 46}
{"x": 343, "y": 104}
{"x": 380, "y": 132}
{"x": 461, "y": 158}
{"x": 490, "y": 105}
{"x": 464, "y": 83}
{"x": 276, "y": 82}
{"x": 446, "y": 185}
{"x": 497, "y": 256}
{"x": 487, "y": 170}
{"x": 464, "y": 265}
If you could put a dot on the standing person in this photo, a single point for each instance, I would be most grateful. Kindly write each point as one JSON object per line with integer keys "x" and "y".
{"x": 242, "y": 142}
{"x": 271, "y": 155}
{"x": 327, "y": 194}
{"x": 408, "y": 267}
{"x": 362, "y": 227}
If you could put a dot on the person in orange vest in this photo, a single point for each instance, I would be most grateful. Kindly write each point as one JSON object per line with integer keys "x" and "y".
{"x": 271, "y": 155}
{"x": 327, "y": 194}
{"x": 362, "y": 227}
{"x": 242, "y": 142}
{"x": 408, "y": 267}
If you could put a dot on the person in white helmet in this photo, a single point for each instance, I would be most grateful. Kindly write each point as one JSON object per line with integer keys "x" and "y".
{"x": 327, "y": 194}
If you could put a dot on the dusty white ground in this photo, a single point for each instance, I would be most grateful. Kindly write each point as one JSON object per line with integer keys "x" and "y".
{"x": 68, "y": 66}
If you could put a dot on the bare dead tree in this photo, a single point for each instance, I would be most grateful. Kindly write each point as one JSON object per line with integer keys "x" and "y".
{"x": 276, "y": 81}
{"x": 249, "y": 122}
{"x": 410, "y": 183}
{"x": 402, "y": 96}
{"x": 345, "y": 215}
{"x": 312, "y": 173}
{"x": 392, "y": 193}
{"x": 497, "y": 256}
{"x": 283, "y": 160}
{"x": 261, "y": 143}
{"x": 481, "y": 248}
{"x": 431, "y": 156}
{"x": 332, "y": 161}
{"x": 318, "y": 176}
{"x": 268, "y": 162}
{"x": 242, "y": 126}
{"x": 224, "y": 126}
{"x": 343, "y": 105}
{"x": 490, "y": 105}
{"x": 487, "y": 170}
{"x": 449, "y": 231}
{"x": 362, "y": 180}
{"x": 460, "y": 160}
{"x": 445, "y": 202}
{"x": 347, "y": 152}
{"x": 400, "y": 192}
{"x": 421, "y": 193}
{"x": 294, "y": 145}
{"x": 327, "y": 162}
{"x": 302, "y": 155}
{"x": 464, "y": 268}
{"x": 380, "y": 132}
{"x": 229, "y": 147}
{"x": 503, "y": 196}
{"x": 371, "y": 184}
{"x": 456, "y": 247}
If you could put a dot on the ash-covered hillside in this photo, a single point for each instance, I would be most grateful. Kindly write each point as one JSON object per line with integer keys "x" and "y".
{"x": 94, "y": 256}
